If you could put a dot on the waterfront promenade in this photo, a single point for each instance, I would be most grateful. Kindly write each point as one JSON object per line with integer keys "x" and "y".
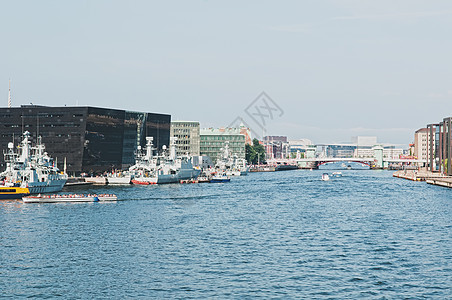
{"x": 422, "y": 175}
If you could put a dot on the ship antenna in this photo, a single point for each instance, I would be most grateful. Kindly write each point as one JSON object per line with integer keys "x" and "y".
{"x": 9, "y": 94}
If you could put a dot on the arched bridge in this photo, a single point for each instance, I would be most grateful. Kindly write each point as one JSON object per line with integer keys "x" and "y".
{"x": 368, "y": 161}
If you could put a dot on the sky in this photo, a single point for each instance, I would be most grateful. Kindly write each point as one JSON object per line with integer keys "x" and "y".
{"x": 329, "y": 69}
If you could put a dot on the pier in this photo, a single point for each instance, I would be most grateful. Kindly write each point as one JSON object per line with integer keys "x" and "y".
{"x": 427, "y": 176}
{"x": 76, "y": 181}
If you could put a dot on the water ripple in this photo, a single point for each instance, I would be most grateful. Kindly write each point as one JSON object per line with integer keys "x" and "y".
{"x": 266, "y": 235}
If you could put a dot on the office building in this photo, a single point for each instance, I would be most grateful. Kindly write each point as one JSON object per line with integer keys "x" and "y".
{"x": 188, "y": 137}
{"x": 91, "y": 139}
{"x": 299, "y": 147}
{"x": 361, "y": 147}
{"x": 276, "y": 147}
{"x": 420, "y": 143}
{"x": 213, "y": 140}
{"x": 439, "y": 147}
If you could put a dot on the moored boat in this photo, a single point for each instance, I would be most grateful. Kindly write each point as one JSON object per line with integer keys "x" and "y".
{"x": 165, "y": 168}
{"x": 11, "y": 192}
{"x": 218, "y": 178}
{"x": 286, "y": 167}
{"x": 189, "y": 181}
{"x": 231, "y": 165}
{"x": 119, "y": 178}
{"x": 32, "y": 168}
{"x": 203, "y": 179}
{"x": 144, "y": 180}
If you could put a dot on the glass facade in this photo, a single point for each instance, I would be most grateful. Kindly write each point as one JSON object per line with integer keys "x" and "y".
{"x": 92, "y": 140}
{"x": 212, "y": 140}
{"x": 62, "y": 131}
{"x": 102, "y": 149}
{"x": 440, "y": 147}
{"x": 157, "y": 126}
{"x": 340, "y": 150}
{"x": 134, "y": 131}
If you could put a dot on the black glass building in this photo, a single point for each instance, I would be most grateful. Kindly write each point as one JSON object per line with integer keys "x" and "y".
{"x": 91, "y": 139}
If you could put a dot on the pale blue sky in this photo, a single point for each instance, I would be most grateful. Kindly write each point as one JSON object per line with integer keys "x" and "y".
{"x": 336, "y": 68}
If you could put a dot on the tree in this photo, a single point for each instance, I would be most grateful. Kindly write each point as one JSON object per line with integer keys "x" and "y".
{"x": 249, "y": 153}
{"x": 255, "y": 153}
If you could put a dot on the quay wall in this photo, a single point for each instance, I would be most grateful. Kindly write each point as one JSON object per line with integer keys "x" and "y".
{"x": 427, "y": 176}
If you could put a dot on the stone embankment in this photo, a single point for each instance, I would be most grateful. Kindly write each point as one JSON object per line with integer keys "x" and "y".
{"x": 422, "y": 175}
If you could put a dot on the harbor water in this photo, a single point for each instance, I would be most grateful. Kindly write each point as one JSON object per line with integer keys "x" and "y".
{"x": 266, "y": 235}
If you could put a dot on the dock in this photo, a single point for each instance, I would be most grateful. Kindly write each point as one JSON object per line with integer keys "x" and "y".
{"x": 446, "y": 182}
{"x": 76, "y": 181}
{"x": 428, "y": 177}
{"x": 96, "y": 180}
{"x": 262, "y": 168}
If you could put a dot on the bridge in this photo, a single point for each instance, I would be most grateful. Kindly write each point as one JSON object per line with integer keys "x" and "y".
{"x": 372, "y": 162}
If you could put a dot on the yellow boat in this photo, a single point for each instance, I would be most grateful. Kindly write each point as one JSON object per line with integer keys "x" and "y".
{"x": 7, "y": 192}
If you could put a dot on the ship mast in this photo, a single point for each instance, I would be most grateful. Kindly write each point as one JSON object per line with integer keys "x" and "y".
{"x": 9, "y": 94}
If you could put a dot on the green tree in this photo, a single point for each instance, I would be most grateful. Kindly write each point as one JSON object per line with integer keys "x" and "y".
{"x": 249, "y": 153}
{"x": 255, "y": 153}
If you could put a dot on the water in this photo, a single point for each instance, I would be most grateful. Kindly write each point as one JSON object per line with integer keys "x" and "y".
{"x": 266, "y": 235}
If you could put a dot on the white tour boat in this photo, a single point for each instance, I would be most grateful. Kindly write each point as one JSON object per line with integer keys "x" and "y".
{"x": 69, "y": 198}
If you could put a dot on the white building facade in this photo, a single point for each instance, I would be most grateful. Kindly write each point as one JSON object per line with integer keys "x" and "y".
{"x": 188, "y": 137}
{"x": 421, "y": 137}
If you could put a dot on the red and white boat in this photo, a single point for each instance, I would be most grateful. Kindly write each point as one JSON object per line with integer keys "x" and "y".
{"x": 144, "y": 180}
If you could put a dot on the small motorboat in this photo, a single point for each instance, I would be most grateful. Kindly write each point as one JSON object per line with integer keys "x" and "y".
{"x": 325, "y": 177}
{"x": 69, "y": 198}
{"x": 202, "y": 179}
{"x": 337, "y": 174}
{"x": 220, "y": 178}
